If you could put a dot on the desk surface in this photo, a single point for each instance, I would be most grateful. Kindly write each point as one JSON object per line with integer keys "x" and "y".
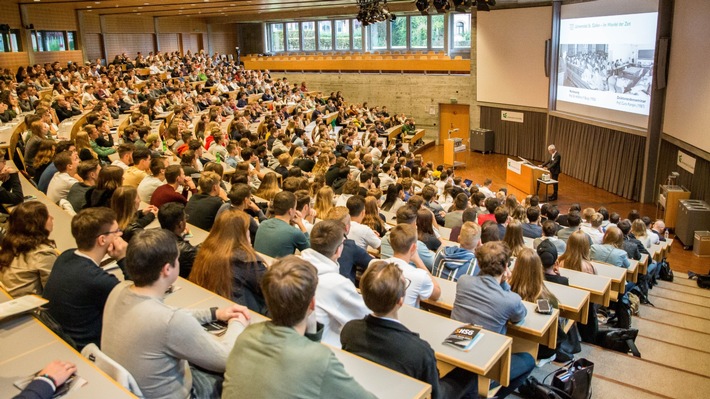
{"x": 598, "y": 286}
{"x": 574, "y": 303}
{"x": 382, "y": 382}
{"x": 27, "y": 346}
{"x": 481, "y": 359}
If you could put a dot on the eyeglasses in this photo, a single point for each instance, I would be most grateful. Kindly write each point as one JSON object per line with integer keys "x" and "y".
{"x": 110, "y": 232}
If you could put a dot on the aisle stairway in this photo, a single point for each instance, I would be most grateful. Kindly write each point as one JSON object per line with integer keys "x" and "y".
{"x": 674, "y": 341}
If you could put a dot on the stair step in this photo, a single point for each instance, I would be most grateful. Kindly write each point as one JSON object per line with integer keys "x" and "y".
{"x": 680, "y": 308}
{"x": 676, "y": 319}
{"x": 651, "y": 377}
{"x": 659, "y": 291}
{"x": 672, "y": 334}
{"x": 674, "y": 356}
{"x": 688, "y": 289}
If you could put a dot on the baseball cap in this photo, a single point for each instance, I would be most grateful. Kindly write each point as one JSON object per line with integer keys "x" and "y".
{"x": 547, "y": 253}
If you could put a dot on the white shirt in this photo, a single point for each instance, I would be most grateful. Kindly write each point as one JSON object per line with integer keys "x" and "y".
{"x": 59, "y": 186}
{"x": 342, "y": 199}
{"x": 385, "y": 181}
{"x": 487, "y": 192}
{"x": 337, "y": 300}
{"x": 363, "y": 236}
{"x": 595, "y": 234}
{"x": 147, "y": 186}
{"x": 120, "y": 164}
{"x": 420, "y": 286}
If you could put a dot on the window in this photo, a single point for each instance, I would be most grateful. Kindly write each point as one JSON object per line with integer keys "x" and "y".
{"x": 342, "y": 34}
{"x": 308, "y": 29}
{"x": 52, "y": 40}
{"x": 357, "y": 35}
{"x": 437, "y": 31}
{"x": 325, "y": 35}
{"x": 10, "y": 41}
{"x": 398, "y": 30}
{"x": 462, "y": 31}
{"x": 378, "y": 36}
{"x": 293, "y": 39}
{"x": 418, "y": 34}
{"x": 276, "y": 37}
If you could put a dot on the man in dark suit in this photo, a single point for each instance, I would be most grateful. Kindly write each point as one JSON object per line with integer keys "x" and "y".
{"x": 383, "y": 288}
{"x": 553, "y": 165}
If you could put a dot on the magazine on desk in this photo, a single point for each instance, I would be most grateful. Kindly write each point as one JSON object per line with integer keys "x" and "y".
{"x": 464, "y": 337}
{"x": 21, "y": 305}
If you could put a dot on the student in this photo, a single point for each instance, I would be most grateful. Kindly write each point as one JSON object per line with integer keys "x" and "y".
{"x": 172, "y": 218}
{"x": 278, "y": 237}
{"x": 403, "y": 241}
{"x": 362, "y": 234}
{"x": 165, "y": 348}
{"x": 66, "y": 163}
{"x": 486, "y": 300}
{"x": 78, "y": 287}
{"x": 10, "y": 185}
{"x": 202, "y": 207}
{"x": 150, "y": 183}
{"x": 532, "y": 228}
{"x": 47, "y": 380}
{"x": 138, "y": 171}
{"x": 168, "y": 192}
{"x": 383, "y": 288}
{"x": 454, "y": 261}
{"x": 353, "y": 258}
{"x": 408, "y": 215}
{"x": 89, "y": 173}
{"x": 228, "y": 265}
{"x": 549, "y": 231}
{"x": 27, "y": 254}
{"x": 337, "y": 300}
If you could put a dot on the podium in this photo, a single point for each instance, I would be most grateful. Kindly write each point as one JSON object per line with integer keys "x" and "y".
{"x": 523, "y": 176}
{"x": 668, "y": 198}
{"x": 451, "y": 148}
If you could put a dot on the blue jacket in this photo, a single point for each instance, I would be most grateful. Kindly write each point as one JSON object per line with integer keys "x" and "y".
{"x": 453, "y": 262}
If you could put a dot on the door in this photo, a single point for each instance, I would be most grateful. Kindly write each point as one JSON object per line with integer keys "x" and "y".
{"x": 453, "y": 116}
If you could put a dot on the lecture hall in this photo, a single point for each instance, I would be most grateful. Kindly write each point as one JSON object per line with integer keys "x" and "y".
{"x": 354, "y": 199}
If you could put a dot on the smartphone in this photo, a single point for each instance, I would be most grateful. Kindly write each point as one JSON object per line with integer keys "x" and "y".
{"x": 543, "y": 306}
{"x": 467, "y": 182}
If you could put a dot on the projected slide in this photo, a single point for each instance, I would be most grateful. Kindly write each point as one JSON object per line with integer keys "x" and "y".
{"x": 607, "y": 61}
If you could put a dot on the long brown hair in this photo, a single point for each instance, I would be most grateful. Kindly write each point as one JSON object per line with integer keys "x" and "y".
{"x": 514, "y": 237}
{"x": 26, "y": 231}
{"x": 212, "y": 268}
{"x": 528, "y": 280}
{"x": 110, "y": 178}
{"x": 324, "y": 201}
{"x": 372, "y": 215}
{"x": 269, "y": 187}
{"x": 123, "y": 202}
{"x": 577, "y": 251}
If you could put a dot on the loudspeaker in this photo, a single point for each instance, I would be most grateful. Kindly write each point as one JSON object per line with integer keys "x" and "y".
{"x": 548, "y": 54}
{"x": 662, "y": 64}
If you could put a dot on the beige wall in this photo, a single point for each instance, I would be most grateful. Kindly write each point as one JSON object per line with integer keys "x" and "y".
{"x": 412, "y": 94}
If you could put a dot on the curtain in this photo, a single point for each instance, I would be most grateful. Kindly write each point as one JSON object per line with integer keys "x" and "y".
{"x": 602, "y": 157}
{"x": 525, "y": 139}
{"x": 698, "y": 183}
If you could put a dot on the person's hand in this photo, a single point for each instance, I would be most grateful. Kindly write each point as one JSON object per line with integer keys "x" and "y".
{"x": 507, "y": 274}
{"x": 117, "y": 249}
{"x": 239, "y": 312}
{"x": 59, "y": 371}
{"x": 297, "y": 218}
{"x": 150, "y": 209}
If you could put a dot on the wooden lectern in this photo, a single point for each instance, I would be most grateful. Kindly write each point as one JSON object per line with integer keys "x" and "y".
{"x": 523, "y": 176}
{"x": 451, "y": 147}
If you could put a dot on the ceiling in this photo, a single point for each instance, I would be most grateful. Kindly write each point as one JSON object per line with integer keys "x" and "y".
{"x": 225, "y": 11}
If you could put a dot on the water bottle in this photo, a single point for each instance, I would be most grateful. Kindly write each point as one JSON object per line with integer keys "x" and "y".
{"x": 665, "y": 234}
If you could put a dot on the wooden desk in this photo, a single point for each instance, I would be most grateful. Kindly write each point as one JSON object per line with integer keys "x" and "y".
{"x": 536, "y": 328}
{"x": 643, "y": 264}
{"x": 489, "y": 358}
{"x": 574, "y": 303}
{"x": 381, "y": 381}
{"x": 632, "y": 273}
{"x": 599, "y": 287}
{"x": 522, "y": 176}
{"x": 615, "y": 273}
{"x": 27, "y": 346}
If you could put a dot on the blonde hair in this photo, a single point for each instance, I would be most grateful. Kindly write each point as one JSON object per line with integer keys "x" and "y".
{"x": 577, "y": 251}
{"x": 324, "y": 202}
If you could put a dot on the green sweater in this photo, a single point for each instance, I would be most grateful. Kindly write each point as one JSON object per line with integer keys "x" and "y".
{"x": 277, "y": 239}
{"x": 275, "y": 362}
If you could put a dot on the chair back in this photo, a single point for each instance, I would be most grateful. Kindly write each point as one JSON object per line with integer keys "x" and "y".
{"x": 112, "y": 368}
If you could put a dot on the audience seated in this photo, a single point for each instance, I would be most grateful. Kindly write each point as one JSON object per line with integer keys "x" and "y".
{"x": 384, "y": 289}
{"x": 284, "y": 346}
{"x": 171, "y": 217}
{"x": 26, "y": 252}
{"x": 353, "y": 258}
{"x": 452, "y": 262}
{"x": 284, "y": 233}
{"x": 202, "y": 207}
{"x": 66, "y": 163}
{"x": 165, "y": 348}
{"x": 486, "y": 300}
{"x": 78, "y": 287}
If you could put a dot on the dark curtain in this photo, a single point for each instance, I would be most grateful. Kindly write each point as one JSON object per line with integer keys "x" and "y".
{"x": 525, "y": 139}
{"x": 698, "y": 183}
{"x": 604, "y": 158}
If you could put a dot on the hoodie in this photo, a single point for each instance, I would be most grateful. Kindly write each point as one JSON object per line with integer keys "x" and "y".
{"x": 453, "y": 262}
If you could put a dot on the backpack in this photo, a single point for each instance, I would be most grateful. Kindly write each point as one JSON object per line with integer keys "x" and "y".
{"x": 666, "y": 273}
{"x": 619, "y": 339}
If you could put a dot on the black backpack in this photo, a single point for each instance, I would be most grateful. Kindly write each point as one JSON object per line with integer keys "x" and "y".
{"x": 665, "y": 273}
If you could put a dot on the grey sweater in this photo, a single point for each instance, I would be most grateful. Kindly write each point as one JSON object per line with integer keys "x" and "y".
{"x": 155, "y": 341}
